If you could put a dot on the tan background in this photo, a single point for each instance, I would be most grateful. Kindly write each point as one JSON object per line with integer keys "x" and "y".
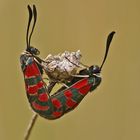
{"x": 113, "y": 112}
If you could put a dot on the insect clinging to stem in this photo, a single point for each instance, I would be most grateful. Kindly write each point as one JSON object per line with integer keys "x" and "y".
{"x": 66, "y": 98}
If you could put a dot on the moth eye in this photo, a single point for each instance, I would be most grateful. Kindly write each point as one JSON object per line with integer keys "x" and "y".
{"x": 96, "y": 69}
{"x": 37, "y": 52}
{"x": 34, "y": 51}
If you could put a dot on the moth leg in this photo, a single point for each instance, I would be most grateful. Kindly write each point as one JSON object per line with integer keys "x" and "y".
{"x": 50, "y": 86}
{"x": 65, "y": 85}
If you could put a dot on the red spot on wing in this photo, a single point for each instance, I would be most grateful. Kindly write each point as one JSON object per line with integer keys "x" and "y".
{"x": 57, "y": 114}
{"x": 32, "y": 70}
{"x": 80, "y": 84}
{"x": 39, "y": 107}
{"x": 84, "y": 90}
{"x": 68, "y": 94}
{"x": 40, "y": 84}
{"x": 43, "y": 97}
{"x": 70, "y": 103}
{"x": 32, "y": 89}
{"x": 56, "y": 103}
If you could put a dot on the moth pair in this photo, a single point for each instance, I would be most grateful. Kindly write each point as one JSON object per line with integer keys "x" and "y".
{"x": 76, "y": 85}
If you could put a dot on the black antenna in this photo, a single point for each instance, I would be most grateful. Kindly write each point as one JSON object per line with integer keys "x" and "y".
{"x": 109, "y": 39}
{"x": 35, "y": 17}
{"x": 31, "y": 14}
{"x": 29, "y": 22}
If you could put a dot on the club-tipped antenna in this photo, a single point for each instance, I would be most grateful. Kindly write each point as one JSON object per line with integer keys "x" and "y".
{"x": 28, "y": 27}
{"x": 108, "y": 42}
{"x": 35, "y": 18}
{"x": 31, "y": 14}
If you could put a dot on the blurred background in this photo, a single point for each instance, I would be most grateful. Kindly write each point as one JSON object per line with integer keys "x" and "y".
{"x": 113, "y": 111}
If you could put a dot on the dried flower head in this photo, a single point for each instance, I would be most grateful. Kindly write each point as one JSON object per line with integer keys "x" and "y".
{"x": 60, "y": 67}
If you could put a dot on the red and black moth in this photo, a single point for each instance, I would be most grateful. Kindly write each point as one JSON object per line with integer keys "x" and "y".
{"x": 66, "y": 98}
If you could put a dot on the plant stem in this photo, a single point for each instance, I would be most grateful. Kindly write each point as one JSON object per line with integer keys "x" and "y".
{"x": 30, "y": 126}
